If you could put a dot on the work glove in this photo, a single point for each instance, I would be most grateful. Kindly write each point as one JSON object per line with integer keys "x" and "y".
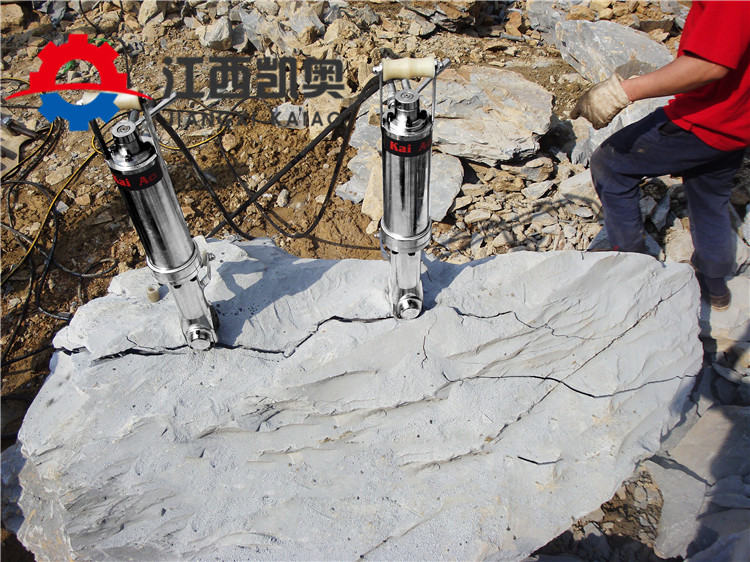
{"x": 602, "y": 102}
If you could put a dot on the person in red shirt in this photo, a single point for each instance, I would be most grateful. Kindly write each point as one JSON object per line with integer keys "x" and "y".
{"x": 701, "y": 134}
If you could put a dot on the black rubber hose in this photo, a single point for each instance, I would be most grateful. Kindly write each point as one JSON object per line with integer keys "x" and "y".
{"x": 326, "y": 201}
{"x": 370, "y": 88}
{"x": 199, "y": 173}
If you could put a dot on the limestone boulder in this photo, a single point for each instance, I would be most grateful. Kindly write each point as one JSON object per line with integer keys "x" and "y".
{"x": 597, "y": 49}
{"x": 485, "y": 114}
{"x": 321, "y": 428}
{"x": 449, "y": 15}
{"x": 490, "y": 115}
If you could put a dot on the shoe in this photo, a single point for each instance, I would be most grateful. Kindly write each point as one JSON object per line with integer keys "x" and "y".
{"x": 715, "y": 291}
{"x": 721, "y": 302}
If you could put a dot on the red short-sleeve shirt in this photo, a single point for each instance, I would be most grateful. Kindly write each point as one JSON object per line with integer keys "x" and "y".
{"x": 718, "y": 113}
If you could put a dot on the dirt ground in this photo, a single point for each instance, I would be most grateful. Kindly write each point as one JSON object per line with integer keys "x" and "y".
{"x": 95, "y": 234}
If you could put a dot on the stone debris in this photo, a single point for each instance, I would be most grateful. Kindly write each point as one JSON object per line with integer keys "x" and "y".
{"x": 361, "y": 166}
{"x": 446, "y": 177}
{"x": 448, "y": 15}
{"x": 477, "y": 215}
{"x": 536, "y": 170}
{"x": 418, "y": 24}
{"x": 149, "y": 9}
{"x": 321, "y": 110}
{"x": 372, "y": 205}
{"x": 537, "y": 190}
{"x": 704, "y": 483}
{"x": 271, "y": 35}
{"x": 304, "y": 21}
{"x": 290, "y": 116}
{"x": 579, "y": 189}
{"x": 218, "y": 35}
{"x": 59, "y": 174}
{"x": 174, "y": 426}
{"x": 282, "y": 200}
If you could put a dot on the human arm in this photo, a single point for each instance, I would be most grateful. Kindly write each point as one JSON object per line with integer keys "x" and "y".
{"x": 605, "y": 100}
{"x": 683, "y": 74}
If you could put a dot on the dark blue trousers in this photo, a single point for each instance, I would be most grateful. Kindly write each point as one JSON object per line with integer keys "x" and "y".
{"x": 654, "y": 146}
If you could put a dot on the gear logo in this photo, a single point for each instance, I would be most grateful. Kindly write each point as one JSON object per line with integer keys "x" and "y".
{"x": 103, "y": 106}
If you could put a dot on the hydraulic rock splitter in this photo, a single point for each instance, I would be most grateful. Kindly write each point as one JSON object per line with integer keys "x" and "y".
{"x": 174, "y": 258}
{"x": 406, "y": 227}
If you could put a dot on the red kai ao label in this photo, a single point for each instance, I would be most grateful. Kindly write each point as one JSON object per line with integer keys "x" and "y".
{"x": 141, "y": 179}
{"x": 407, "y": 148}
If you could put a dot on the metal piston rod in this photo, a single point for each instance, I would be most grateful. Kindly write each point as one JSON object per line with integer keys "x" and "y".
{"x": 406, "y": 228}
{"x": 171, "y": 253}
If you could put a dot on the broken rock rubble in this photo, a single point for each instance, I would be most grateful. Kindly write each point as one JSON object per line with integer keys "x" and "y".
{"x": 704, "y": 481}
{"x": 311, "y": 442}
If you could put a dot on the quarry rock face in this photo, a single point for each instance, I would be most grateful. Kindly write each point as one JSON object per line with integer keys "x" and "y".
{"x": 320, "y": 428}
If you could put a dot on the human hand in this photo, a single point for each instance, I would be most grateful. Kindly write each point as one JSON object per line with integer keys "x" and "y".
{"x": 602, "y": 102}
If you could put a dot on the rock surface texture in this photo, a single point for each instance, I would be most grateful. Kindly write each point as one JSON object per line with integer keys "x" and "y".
{"x": 322, "y": 429}
{"x": 490, "y": 115}
{"x": 597, "y": 49}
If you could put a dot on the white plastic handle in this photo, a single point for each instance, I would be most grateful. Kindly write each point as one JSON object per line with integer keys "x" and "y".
{"x": 127, "y": 101}
{"x": 408, "y": 68}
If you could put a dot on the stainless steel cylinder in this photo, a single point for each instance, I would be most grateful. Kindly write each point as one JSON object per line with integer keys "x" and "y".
{"x": 406, "y": 227}
{"x": 150, "y": 198}
{"x": 171, "y": 253}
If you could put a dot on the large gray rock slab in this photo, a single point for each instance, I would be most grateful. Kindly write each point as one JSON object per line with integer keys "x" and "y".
{"x": 490, "y": 115}
{"x": 543, "y": 15}
{"x": 320, "y": 428}
{"x": 597, "y": 49}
